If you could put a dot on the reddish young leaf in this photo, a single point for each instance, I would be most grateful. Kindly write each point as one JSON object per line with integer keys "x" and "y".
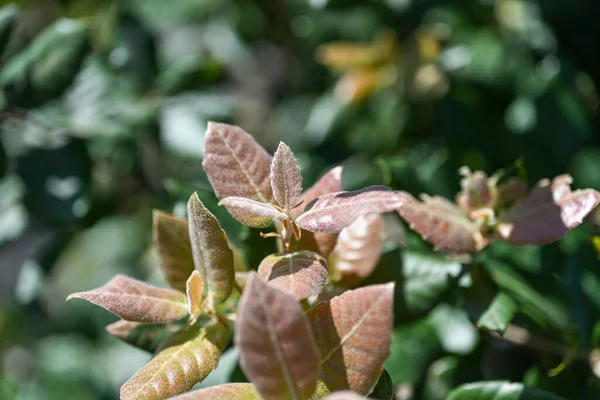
{"x": 194, "y": 291}
{"x": 301, "y": 274}
{"x": 335, "y": 211}
{"x": 357, "y": 250}
{"x": 236, "y": 165}
{"x": 510, "y": 191}
{"x": 547, "y": 213}
{"x": 443, "y": 224}
{"x": 144, "y": 336}
{"x": 344, "y": 395}
{"x": 477, "y": 191}
{"x": 286, "y": 177}
{"x": 212, "y": 256}
{"x": 185, "y": 359}
{"x": 172, "y": 244}
{"x": 253, "y": 213}
{"x": 227, "y": 391}
{"x": 277, "y": 349}
{"x": 137, "y": 301}
{"x": 353, "y": 333}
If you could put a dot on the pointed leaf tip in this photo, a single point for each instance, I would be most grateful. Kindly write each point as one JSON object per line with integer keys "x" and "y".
{"x": 253, "y": 213}
{"x": 286, "y": 177}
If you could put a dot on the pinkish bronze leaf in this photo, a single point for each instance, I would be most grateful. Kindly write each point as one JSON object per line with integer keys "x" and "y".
{"x": 172, "y": 245}
{"x": 477, "y": 191}
{"x": 357, "y": 250}
{"x": 344, "y": 395}
{"x": 443, "y": 224}
{"x": 137, "y": 301}
{"x": 253, "y": 213}
{"x": 144, "y": 336}
{"x": 301, "y": 274}
{"x": 510, "y": 191}
{"x": 286, "y": 177}
{"x": 277, "y": 349}
{"x": 212, "y": 256}
{"x": 236, "y": 165}
{"x": 227, "y": 391}
{"x": 335, "y": 211}
{"x": 353, "y": 333}
{"x": 194, "y": 290}
{"x": 186, "y": 358}
{"x": 547, "y": 213}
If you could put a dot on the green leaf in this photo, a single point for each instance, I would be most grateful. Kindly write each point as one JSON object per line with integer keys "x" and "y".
{"x": 499, "y": 314}
{"x": 456, "y": 332}
{"x": 498, "y": 390}
{"x": 186, "y": 358}
{"x": 384, "y": 389}
{"x": 144, "y": 336}
{"x": 212, "y": 256}
{"x": 13, "y": 216}
{"x": 9, "y": 16}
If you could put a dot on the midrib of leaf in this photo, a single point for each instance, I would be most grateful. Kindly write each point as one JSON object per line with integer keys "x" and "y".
{"x": 280, "y": 358}
{"x": 143, "y": 296}
{"x": 239, "y": 162}
{"x": 333, "y": 207}
{"x": 352, "y": 331}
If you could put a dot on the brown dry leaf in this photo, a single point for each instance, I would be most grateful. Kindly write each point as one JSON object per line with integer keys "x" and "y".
{"x": 236, "y": 165}
{"x": 186, "y": 359}
{"x": 172, "y": 244}
{"x": 353, "y": 333}
{"x": 301, "y": 274}
{"x": 286, "y": 177}
{"x": 549, "y": 211}
{"x": 212, "y": 256}
{"x": 277, "y": 349}
{"x": 335, "y": 211}
{"x": 443, "y": 224}
{"x": 144, "y": 336}
{"x": 194, "y": 290}
{"x": 137, "y": 301}
{"x": 357, "y": 250}
{"x": 253, "y": 213}
{"x": 227, "y": 391}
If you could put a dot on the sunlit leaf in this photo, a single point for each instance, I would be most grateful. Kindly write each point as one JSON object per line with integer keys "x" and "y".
{"x": 236, "y": 165}
{"x": 333, "y": 212}
{"x": 228, "y": 391}
{"x": 186, "y": 358}
{"x": 172, "y": 245}
{"x": 547, "y": 213}
{"x": 476, "y": 191}
{"x": 357, "y": 250}
{"x": 499, "y": 314}
{"x": 277, "y": 349}
{"x": 344, "y": 395}
{"x": 251, "y": 212}
{"x": 137, "y": 301}
{"x": 212, "y": 256}
{"x": 286, "y": 177}
{"x": 301, "y": 274}
{"x": 144, "y": 336}
{"x": 194, "y": 290}
{"x": 353, "y": 333}
{"x": 442, "y": 224}
{"x": 454, "y": 328}
{"x": 498, "y": 390}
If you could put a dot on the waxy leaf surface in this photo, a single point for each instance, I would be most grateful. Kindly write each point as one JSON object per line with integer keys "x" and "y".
{"x": 255, "y": 214}
{"x": 172, "y": 245}
{"x": 498, "y": 390}
{"x": 357, "y": 250}
{"x": 301, "y": 274}
{"x": 335, "y": 211}
{"x": 144, "y": 336}
{"x": 194, "y": 290}
{"x": 137, "y": 301}
{"x": 286, "y": 177}
{"x": 443, "y": 224}
{"x": 498, "y": 315}
{"x": 547, "y": 213}
{"x": 236, "y": 165}
{"x": 353, "y": 333}
{"x": 228, "y": 391}
{"x": 212, "y": 256}
{"x": 186, "y": 358}
{"x": 277, "y": 349}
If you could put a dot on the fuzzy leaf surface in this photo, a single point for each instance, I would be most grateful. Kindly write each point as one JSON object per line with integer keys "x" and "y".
{"x": 547, "y": 213}
{"x": 136, "y": 301}
{"x": 498, "y": 315}
{"x": 143, "y": 336}
{"x": 212, "y": 256}
{"x": 358, "y": 249}
{"x": 335, "y": 211}
{"x": 301, "y": 274}
{"x": 172, "y": 243}
{"x": 353, "y": 333}
{"x": 286, "y": 177}
{"x": 344, "y": 395}
{"x": 277, "y": 349}
{"x": 443, "y": 224}
{"x": 186, "y": 358}
{"x": 498, "y": 390}
{"x": 194, "y": 291}
{"x": 253, "y": 213}
{"x": 228, "y": 391}
{"x": 236, "y": 165}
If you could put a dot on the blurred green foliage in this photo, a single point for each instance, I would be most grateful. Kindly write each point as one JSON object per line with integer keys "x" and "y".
{"x": 104, "y": 106}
